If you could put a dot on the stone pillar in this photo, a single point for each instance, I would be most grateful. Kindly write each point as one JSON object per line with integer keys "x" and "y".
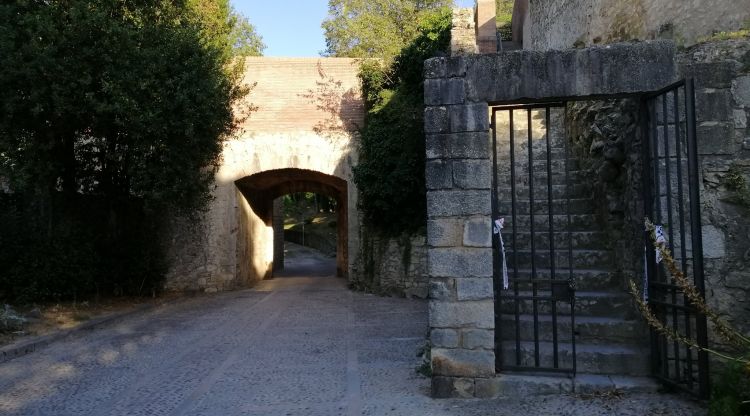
{"x": 458, "y": 175}
{"x": 463, "y": 32}
{"x": 486, "y": 26}
{"x": 278, "y": 234}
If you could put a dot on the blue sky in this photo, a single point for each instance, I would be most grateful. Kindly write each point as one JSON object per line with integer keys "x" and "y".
{"x": 292, "y": 27}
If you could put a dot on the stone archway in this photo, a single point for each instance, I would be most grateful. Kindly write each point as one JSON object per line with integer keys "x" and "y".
{"x": 301, "y": 136}
{"x": 262, "y": 188}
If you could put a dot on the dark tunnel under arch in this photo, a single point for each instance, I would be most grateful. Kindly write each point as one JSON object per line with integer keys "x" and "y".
{"x": 262, "y": 188}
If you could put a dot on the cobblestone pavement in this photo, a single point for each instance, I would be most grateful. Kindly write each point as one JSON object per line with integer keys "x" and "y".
{"x": 291, "y": 346}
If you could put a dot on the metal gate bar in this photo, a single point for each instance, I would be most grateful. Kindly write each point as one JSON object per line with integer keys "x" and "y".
{"x": 542, "y": 291}
{"x": 672, "y": 362}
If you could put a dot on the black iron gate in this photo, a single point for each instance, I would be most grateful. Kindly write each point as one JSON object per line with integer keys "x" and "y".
{"x": 534, "y": 286}
{"x": 671, "y": 196}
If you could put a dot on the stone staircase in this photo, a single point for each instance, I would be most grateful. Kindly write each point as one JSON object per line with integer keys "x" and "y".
{"x": 610, "y": 339}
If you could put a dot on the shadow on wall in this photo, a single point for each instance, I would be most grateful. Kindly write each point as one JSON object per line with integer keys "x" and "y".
{"x": 256, "y": 236}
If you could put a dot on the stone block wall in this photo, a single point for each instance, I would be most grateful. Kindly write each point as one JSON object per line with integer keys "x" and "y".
{"x": 458, "y": 233}
{"x": 722, "y": 75}
{"x": 560, "y": 24}
{"x": 394, "y": 266}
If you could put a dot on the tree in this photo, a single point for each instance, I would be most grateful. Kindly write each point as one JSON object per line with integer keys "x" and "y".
{"x": 373, "y": 28}
{"x": 390, "y": 174}
{"x": 115, "y": 106}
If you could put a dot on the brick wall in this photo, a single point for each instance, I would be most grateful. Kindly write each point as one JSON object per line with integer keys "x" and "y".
{"x": 303, "y": 94}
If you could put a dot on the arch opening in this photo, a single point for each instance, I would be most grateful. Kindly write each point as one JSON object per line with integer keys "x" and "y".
{"x": 260, "y": 238}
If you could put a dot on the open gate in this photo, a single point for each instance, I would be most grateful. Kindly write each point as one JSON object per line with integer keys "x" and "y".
{"x": 534, "y": 286}
{"x": 671, "y": 181}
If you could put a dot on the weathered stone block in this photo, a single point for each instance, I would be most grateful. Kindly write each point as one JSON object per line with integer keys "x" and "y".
{"x": 463, "y": 363}
{"x": 444, "y": 91}
{"x": 478, "y": 232}
{"x": 472, "y": 145}
{"x": 442, "y": 289}
{"x": 439, "y": 174}
{"x": 474, "y": 289}
{"x": 436, "y": 120}
{"x": 444, "y": 338}
{"x": 438, "y": 146}
{"x": 472, "y": 174}
{"x": 456, "y": 66}
{"x": 741, "y": 91}
{"x": 435, "y": 68}
{"x": 458, "y": 203}
{"x": 459, "y": 262}
{"x": 740, "y": 119}
{"x": 715, "y": 138}
{"x": 478, "y": 339}
{"x": 452, "y": 387}
{"x": 714, "y": 246}
{"x": 469, "y": 117}
{"x": 711, "y": 74}
{"x": 713, "y": 105}
{"x": 486, "y": 388}
{"x": 624, "y": 68}
{"x": 476, "y": 314}
{"x": 444, "y": 232}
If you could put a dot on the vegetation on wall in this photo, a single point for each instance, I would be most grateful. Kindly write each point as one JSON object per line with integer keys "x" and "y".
{"x": 113, "y": 116}
{"x": 390, "y": 173}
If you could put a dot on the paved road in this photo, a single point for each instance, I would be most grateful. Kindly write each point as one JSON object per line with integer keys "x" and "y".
{"x": 294, "y": 345}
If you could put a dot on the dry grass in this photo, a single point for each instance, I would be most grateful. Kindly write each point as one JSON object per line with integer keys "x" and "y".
{"x": 49, "y": 318}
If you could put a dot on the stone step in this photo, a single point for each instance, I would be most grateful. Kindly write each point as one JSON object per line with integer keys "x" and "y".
{"x": 584, "y": 259}
{"x": 540, "y": 165}
{"x": 538, "y": 151}
{"x": 562, "y": 240}
{"x": 589, "y": 329}
{"x": 586, "y": 280}
{"x": 525, "y": 385}
{"x": 578, "y": 222}
{"x": 559, "y": 192}
{"x": 587, "y": 303}
{"x": 540, "y": 176}
{"x": 607, "y": 359}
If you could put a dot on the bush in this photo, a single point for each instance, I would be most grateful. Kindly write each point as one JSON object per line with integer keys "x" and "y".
{"x": 73, "y": 249}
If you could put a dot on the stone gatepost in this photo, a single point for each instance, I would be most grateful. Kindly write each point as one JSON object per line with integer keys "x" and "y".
{"x": 458, "y": 175}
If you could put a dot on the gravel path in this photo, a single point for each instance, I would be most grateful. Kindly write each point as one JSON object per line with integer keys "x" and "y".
{"x": 294, "y": 345}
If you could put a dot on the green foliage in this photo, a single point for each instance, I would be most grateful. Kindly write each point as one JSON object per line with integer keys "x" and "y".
{"x": 390, "y": 174}
{"x": 735, "y": 181}
{"x": 374, "y": 28}
{"x": 730, "y": 395}
{"x": 503, "y": 17}
{"x": 742, "y": 33}
{"x": 112, "y": 114}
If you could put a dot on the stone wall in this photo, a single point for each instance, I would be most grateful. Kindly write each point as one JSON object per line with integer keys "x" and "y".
{"x": 722, "y": 75}
{"x": 560, "y": 24}
{"x": 605, "y": 137}
{"x": 393, "y": 266}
